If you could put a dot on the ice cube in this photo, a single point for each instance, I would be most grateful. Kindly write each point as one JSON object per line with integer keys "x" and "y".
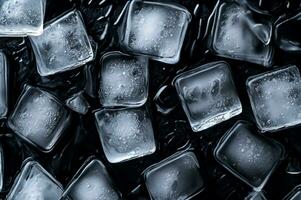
{"x": 255, "y": 196}
{"x": 1, "y": 168}
{"x": 125, "y": 134}
{"x": 21, "y": 17}
{"x": 78, "y": 103}
{"x": 276, "y": 98}
{"x": 155, "y": 29}
{"x": 177, "y": 177}
{"x": 247, "y": 155}
{"x": 235, "y": 35}
{"x": 64, "y": 45}
{"x": 264, "y": 6}
{"x": 3, "y": 85}
{"x": 123, "y": 80}
{"x": 35, "y": 183}
{"x": 295, "y": 194}
{"x": 39, "y": 118}
{"x": 92, "y": 182}
{"x": 208, "y": 95}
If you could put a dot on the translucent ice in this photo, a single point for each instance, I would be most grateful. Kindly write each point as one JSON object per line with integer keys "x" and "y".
{"x": 255, "y": 196}
{"x": 123, "y": 80}
{"x": 276, "y": 98}
{"x": 177, "y": 177}
{"x": 92, "y": 183}
{"x": 64, "y": 45}
{"x": 1, "y": 168}
{"x": 155, "y": 29}
{"x": 3, "y": 85}
{"x": 39, "y": 118}
{"x": 295, "y": 194}
{"x": 78, "y": 103}
{"x": 208, "y": 95}
{"x": 35, "y": 183}
{"x": 125, "y": 134}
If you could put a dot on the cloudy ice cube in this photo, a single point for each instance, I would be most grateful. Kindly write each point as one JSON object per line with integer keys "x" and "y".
{"x": 78, "y": 103}
{"x": 208, "y": 95}
{"x": 276, "y": 98}
{"x": 35, "y": 183}
{"x": 64, "y": 45}
{"x": 3, "y": 85}
{"x": 39, "y": 118}
{"x": 249, "y": 156}
{"x": 295, "y": 194}
{"x": 236, "y": 35}
{"x": 123, "y": 80}
{"x": 125, "y": 134}
{"x": 92, "y": 182}
{"x": 156, "y": 30}
{"x": 177, "y": 177}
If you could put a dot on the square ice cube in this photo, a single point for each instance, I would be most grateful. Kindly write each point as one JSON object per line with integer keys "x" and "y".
{"x": 208, "y": 95}
{"x": 123, "y": 80}
{"x": 78, "y": 103}
{"x": 34, "y": 182}
{"x": 236, "y": 35}
{"x": 3, "y": 85}
{"x": 92, "y": 182}
{"x": 155, "y": 29}
{"x": 247, "y": 155}
{"x": 21, "y": 17}
{"x": 64, "y": 45}
{"x": 295, "y": 194}
{"x": 125, "y": 134}
{"x": 39, "y": 118}
{"x": 177, "y": 177}
{"x": 275, "y": 98}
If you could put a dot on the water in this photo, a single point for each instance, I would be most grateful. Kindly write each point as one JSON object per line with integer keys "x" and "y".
{"x": 177, "y": 177}
{"x": 276, "y": 89}
{"x": 123, "y": 80}
{"x": 125, "y": 134}
{"x": 208, "y": 95}
{"x": 64, "y": 45}
{"x": 78, "y": 103}
{"x": 35, "y": 183}
{"x": 3, "y": 85}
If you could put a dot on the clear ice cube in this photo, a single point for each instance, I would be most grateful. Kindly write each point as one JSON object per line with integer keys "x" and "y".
{"x": 276, "y": 98}
{"x": 78, "y": 103}
{"x": 208, "y": 95}
{"x": 295, "y": 194}
{"x": 90, "y": 183}
{"x": 125, "y": 134}
{"x": 3, "y": 85}
{"x": 35, "y": 183}
{"x": 247, "y": 155}
{"x": 155, "y": 29}
{"x": 123, "y": 80}
{"x": 64, "y": 45}
{"x": 177, "y": 177}
{"x": 39, "y": 118}
{"x": 21, "y": 17}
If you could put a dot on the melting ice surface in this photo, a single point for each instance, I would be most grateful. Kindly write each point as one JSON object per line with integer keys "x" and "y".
{"x": 64, "y": 45}
{"x": 125, "y": 133}
{"x": 177, "y": 177}
{"x": 78, "y": 103}
{"x": 3, "y": 85}
{"x": 92, "y": 183}
{"x": 35, "y": 183}
{"x": 276, "y": 98}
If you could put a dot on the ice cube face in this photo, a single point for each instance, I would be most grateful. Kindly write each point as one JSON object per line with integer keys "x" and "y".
{"x": 3, "y": 85}
{"x": 91, "y": 183}
{"x": 249, "y": 156}
{"x": 156, "y": 30}
{"x": 177, "y": 177}
{"x": 276, "y": 98}
{"x": 21, "y": 17}
{"x": 295, "y": 194}
{"x": 34, "y": 183}
{"x": 78, "y": 103}
{"x": 123, "y": 80}
{"x": 236, "y": 35}
{"x": 64, "y": 45}
{"x": 208, "y": 95}
{"x": 125, "y": 134}
{"x": 39, "y": 118}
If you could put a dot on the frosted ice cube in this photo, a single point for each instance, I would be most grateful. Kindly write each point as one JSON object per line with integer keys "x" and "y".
{"x": 276, "y": 98}
{"x": 208, "y": 95}
{"x": 39, "y": 118}
{"x": 78, "y": 103}
{"x": 35, "y": 183}
{"x": 90, "y": 183}
{"x": 64, "y": 45}
{"x": 125, "y": 134}
{"x": 236, "y": 35}
{"x": 21, "y": 17}
{"x": 249, "y": 156}
{"x": 123, "y": 80}
{"x": 155, "y": 29}
{"x": 295, "y": 194}
{"x": 177, "y": 177}
{"x": 3, "y": 85}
